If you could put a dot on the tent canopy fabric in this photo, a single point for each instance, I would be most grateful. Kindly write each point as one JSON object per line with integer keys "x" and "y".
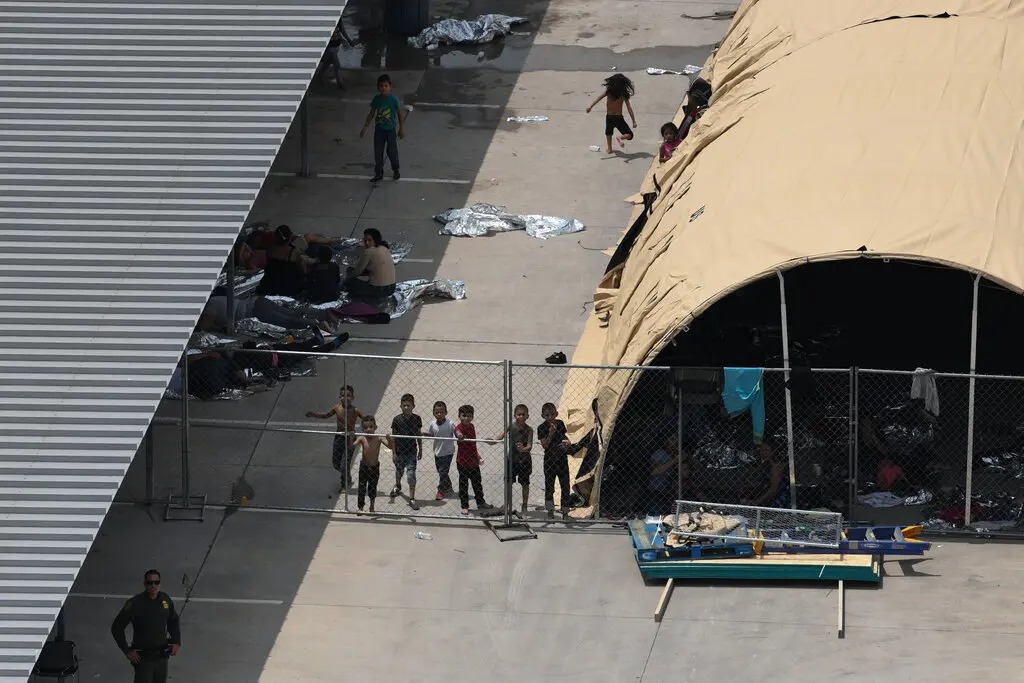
{"x": 840, "y": 129}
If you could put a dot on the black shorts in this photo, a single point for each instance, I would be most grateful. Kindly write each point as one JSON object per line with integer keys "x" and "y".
{"x": 520, "y": 470}
{"x": 613, "y": 122}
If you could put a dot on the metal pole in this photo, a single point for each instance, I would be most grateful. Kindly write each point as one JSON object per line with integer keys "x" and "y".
{"x": 345, "y": 469}
{"x": 970, "y": 402}
{"x": 150, "y": 478}
{"x": 679, "y": 442}
{"x": 856, "y": 434}
{"x": 304, "y": 139}
{"x": 231, "y": 291}
{"x": 851, "y": 466}
{"x": 186, "y": 493}
{"x": 789, "y": 398}
{"x": 507, "y": 459}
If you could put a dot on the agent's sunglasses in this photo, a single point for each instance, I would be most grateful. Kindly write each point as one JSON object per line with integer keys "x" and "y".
{"x": 153, "y": 583}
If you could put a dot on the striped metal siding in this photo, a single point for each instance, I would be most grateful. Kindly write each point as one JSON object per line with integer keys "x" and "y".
{"x": 134, "y": 137}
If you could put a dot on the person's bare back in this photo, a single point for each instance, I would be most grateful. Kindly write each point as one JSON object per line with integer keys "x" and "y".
{"x": 615, "y": 106}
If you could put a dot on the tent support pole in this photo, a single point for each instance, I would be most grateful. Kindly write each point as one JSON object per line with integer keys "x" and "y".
{"x": 789, "y": 398}
{"x": 970, "y": 402}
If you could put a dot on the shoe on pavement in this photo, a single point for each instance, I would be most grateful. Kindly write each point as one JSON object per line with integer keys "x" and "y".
{"x": 440, "y": 495}
{"x": 396, "y": 175}
{"x": 376, "y": 178}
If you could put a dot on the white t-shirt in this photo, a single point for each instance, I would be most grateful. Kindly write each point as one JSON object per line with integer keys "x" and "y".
{"x": 443, "y": 434}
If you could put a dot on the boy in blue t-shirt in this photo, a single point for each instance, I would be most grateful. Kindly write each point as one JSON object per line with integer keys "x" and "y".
{"x": 389, "y": 125}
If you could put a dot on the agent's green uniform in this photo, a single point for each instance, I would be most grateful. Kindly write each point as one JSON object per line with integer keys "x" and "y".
{"x": 151, "y": 622}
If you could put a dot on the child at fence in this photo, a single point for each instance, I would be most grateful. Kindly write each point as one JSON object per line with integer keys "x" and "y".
{"x": 520, "y": 442}
{"x": 406, "y": 429}
{"x": 618, "y": 89}
{"x": 369, "y": 463}
{"x": 553, "y": 439}
{"x": 442, "y": 430}
{"x": 467, "y": 461}
{"x": 346, "y": 415}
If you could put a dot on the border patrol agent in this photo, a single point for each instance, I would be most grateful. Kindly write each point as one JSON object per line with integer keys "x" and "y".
{"x": 152, "y": 616}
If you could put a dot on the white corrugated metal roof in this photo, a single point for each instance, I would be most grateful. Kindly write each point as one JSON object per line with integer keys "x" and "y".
{"x": 134, "y": 137}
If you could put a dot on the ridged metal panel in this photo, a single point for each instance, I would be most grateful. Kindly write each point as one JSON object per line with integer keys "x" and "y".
{"x": 134, "y": 137}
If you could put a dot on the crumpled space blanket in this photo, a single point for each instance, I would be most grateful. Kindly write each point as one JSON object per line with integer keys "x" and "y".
{"x": 408, "y": 295}
{"x": 482, "y": 219}
{"x": 483, "y": 29}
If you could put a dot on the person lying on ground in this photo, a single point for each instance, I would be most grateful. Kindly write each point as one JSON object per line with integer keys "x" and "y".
{"x": 249, "y": 261}
{"x": 669, "y": 141}
{"x": 260, "y": 357}
{"x": 372, "y": 279}
{"x": 618, "y": 89}
{"x": 214, "y": 317}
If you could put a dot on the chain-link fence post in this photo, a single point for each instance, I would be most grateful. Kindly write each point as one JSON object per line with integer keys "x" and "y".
{"x": 851, "y": 463}
{"x": 183, "y": 509}
{"x": 186, "y": 493}
{"x": 345, "y": 465}
{"x": 150, "y": 473}
{"x": 855, "y": 475}
{"x": 507, "y": 409}
{"x": 678, "y": 385}
{"x": 970, "y": 404}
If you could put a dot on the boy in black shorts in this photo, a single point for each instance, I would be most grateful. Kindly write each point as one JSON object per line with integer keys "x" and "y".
{"x": 520, "y": 441}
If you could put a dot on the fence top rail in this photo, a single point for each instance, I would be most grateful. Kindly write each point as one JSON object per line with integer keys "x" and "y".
{"x": 950, "y": 375}
{"x": 359, "y": 356}
{"x": 568, "y": 366}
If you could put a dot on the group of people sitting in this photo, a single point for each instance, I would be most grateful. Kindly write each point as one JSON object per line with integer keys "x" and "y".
{"x": 698, "y": 97}
{"x": 303, "y": 267}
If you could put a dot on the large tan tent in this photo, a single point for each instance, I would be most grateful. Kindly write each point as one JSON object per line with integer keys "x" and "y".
{"x": 838, "y": 130}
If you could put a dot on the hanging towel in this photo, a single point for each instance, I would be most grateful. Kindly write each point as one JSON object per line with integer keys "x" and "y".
{"x": 743, "y": 392}
{"x": 923, "y": 387}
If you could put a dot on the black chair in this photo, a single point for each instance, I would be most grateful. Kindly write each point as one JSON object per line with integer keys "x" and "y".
{"x": 57, "y": 660}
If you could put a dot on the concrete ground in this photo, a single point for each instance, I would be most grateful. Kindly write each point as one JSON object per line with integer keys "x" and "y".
{"x": 288, "y": 596}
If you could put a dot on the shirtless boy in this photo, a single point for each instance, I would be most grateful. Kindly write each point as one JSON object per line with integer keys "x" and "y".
{"x": 369, "y": 465}
{"x": 344, "y": 441}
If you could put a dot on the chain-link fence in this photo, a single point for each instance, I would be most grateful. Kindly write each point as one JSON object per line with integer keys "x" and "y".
{"x": 278, "y": 428}
{"x": 911, "y": 446}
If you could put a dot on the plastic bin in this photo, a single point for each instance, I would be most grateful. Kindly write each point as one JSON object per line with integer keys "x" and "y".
{"x": 406, "y": 17}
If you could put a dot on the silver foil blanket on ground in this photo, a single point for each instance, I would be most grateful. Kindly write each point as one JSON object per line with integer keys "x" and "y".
{"x": 407, "y": 296}
{"x": 483, "y": 29}
{"x": 481, "y": 219}
{"x": 688, "y": 70}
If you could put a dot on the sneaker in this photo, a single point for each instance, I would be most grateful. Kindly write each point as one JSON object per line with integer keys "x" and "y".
{"x": 465, "y": 511}
{"x": 440, "y": 495}
{"x": 413, "y": 504}
{"x": 377, "y": 178}
{"x": 395, "y": 492}
{"x": 485, "y": 506}
{"x": 396, "y": 175}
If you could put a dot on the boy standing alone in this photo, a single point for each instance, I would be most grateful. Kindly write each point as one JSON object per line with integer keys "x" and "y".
{"x": 389, "y": 125}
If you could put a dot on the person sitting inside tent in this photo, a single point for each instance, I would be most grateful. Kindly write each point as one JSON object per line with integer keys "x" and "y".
{"x": 771, "y": 486}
